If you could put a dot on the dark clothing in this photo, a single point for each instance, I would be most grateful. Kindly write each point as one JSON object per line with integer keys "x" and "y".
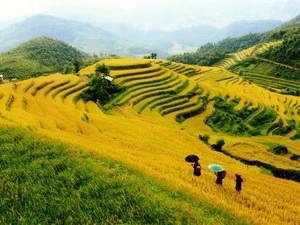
{"x": 219, "y": 178}
{"x": 238, "y": 183}
{"x": 197, "y": 169}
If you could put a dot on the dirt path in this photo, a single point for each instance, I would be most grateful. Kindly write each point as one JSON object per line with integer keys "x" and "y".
{"x": 277, "y": 63}
{"x": 273, "y": 62}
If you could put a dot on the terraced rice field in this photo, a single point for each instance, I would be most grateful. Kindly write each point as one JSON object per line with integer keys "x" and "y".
{"x": 272, "y": 82}
{"x": 47, "y": 100}
{"x": 236, "y": 57}
{"x": 165, "y": 92}
{"x": 264, "y": 47}
{"x": 219, "y": 82}
{"x": 155, "y": 123}
{"x": 158, "y": 89}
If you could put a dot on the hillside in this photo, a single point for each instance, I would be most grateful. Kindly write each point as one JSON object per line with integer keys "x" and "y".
{"x": 288, "y": 50}
{"x": 154, "y": 124}
{"x": 39, "y": 56}
{"x": 62, "y": 183}
{"x": 213, "y": 53}
{"x": 276, "y": 59}
{"x": 81, "y": 35}
{"x": 209, "y": 54}
{"x": 270, "y": 59}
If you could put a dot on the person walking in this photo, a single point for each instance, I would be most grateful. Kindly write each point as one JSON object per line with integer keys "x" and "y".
{"x": 219, "y": 179}
{"x": 238, "y": 182}
{"x": 197, "y": 168}
{"x": 220, "y": 176}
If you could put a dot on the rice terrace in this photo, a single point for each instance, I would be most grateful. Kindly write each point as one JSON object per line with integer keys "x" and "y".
{"x": 131, "y": 133}
{"x": 156, "y": 122}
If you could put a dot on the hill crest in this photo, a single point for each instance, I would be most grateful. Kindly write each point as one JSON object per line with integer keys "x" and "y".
{"x": 39, "y": 55}
{"x": 83, "y": 36}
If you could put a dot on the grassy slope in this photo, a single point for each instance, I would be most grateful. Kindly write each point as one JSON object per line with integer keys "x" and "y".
{"x": 44, "y": 181}
{"x": 156, "y": 146}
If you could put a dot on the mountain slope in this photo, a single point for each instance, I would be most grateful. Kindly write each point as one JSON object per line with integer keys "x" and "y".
{"x": 155, "y": 144}
{"x": 188, "y": 39}
{"x": 38, "y": 56}
{"x": 81, "y": 35}
{"x": 288, "y": 50}
{"x": 86, "y": 188}
{"x": 210, "y": 54}
{"x": 276, "y": 57}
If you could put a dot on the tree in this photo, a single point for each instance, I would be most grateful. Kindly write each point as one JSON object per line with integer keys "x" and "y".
{"x": 100, "y": 89}
{"x": 76, "y": 65}
{"x": 153, "y": 55}
{"x": 102, "y": 70}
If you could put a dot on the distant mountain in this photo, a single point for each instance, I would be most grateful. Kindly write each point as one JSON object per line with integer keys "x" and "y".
{"x": 245, "y": 27}
{"x": 190, "y": 38}
{"x": 81, "y": 35}
{"x": 293, "y": 22}
{"x": 2, "y": 25}
{"x": 6, "y": 23}
{"x": 39, "y": 56}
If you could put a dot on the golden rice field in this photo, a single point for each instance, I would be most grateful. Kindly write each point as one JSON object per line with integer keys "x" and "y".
{"x": 241, "y": 55}
{"x": 141, "y": 130}
{"x": 236, "y": 57}
{"x": 264, "y": 47}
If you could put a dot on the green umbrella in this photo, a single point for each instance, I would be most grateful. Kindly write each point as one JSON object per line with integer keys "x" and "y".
{"x": 215, "y": 167}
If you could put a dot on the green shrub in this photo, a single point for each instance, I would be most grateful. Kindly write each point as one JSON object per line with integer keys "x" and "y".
{"x": 220, "y": 143}
{"x": 204, "y": 138}
{"x": 279, "y": 150}
{"x": 85, "y": 117}
{"x": 282, "y": 131}
{"x": 295, "y": 157}
{"x": 226, "y": 119}
{"x": 296, "y": 136}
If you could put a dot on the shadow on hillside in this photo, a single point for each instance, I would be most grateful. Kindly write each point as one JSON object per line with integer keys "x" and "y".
{"x": 288, "y": 174}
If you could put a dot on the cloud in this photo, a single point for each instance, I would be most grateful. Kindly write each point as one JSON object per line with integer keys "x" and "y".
{"x": 157, "y": 13}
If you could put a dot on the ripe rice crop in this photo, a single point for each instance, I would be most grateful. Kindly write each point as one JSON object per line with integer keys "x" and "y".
{"x": 156, "y": 146}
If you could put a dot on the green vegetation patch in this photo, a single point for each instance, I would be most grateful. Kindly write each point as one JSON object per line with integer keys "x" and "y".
{"x": 47, "y": 182}
{"x": 289, "y": 51}
{"x": 227, "y": 120}
{"x": 101, "y": 90}
{"x": 279, "y": 150}
{"x": 40, "y": 55}
{"x": 264, "y": 118}
{"x": 269, "y": 75}
{"x": 210, "y": 53}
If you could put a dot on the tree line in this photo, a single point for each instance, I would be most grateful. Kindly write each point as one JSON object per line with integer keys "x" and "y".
{"x": 289, "y": 51}
{"x": 211, "y": 53}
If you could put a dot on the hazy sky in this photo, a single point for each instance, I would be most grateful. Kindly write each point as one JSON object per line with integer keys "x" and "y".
{"x": 167, "y": 14}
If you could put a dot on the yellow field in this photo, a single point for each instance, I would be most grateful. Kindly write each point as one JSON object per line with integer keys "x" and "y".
{"x": 236, "y": 57}
{"x": 264, "y": 47}
{"x": 156, "y": 145}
